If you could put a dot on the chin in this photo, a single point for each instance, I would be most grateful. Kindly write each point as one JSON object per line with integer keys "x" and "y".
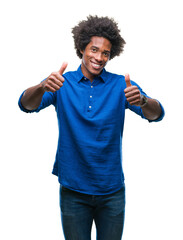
{"x": 96, "y": 71}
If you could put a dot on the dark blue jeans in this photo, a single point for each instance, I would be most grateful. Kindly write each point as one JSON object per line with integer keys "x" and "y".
{"x": 78, "y": 211}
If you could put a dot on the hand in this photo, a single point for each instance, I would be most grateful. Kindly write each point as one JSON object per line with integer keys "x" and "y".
{"x": 55, "y": 81}
{"x": 132, "y": 93}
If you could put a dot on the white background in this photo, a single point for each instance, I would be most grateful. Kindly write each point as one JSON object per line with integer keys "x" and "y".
{"x": 35, "y": 40}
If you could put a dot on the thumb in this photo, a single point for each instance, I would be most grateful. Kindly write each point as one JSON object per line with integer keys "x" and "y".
{"x": 127, "y": 80}
{"x": 63, "y": 67}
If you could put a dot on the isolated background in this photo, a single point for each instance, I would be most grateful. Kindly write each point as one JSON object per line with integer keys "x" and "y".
{"x": 35, "y": 40}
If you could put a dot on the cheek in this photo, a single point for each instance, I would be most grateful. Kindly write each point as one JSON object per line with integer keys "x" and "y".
{"x": 86, "y": 58}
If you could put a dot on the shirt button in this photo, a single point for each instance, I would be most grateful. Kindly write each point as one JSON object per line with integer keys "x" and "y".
{"x": 90, "y": 107}
{"x": 91, "y": 86}
{"x": 90, "y": 96}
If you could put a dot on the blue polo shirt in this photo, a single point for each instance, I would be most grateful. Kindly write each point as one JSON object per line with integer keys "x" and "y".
{"x": 90, "y": 119}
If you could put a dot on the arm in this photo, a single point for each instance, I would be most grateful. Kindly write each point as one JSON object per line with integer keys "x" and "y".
{"x": 32, "y": 97}
{"x": 150, "y": 108}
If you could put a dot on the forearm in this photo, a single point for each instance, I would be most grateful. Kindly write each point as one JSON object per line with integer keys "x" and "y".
{"x": 152, "y": 110}
{"x": 32, "y": 97}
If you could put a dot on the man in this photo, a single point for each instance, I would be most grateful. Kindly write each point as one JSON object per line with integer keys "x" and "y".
{"x": 90, "y": 105}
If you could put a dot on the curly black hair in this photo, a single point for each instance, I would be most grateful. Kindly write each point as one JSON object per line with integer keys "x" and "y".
{"x": 100, "y": 27}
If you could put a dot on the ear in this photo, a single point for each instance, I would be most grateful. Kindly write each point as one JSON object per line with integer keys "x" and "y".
{"x": 81, "y": 51}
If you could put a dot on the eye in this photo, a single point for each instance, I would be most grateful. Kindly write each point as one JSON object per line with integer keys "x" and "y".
{"x": 106, "y": 54}
{"x": 94, "y": 50}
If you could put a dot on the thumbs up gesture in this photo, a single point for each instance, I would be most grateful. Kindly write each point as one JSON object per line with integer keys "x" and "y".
{"x": 132, "y": 93}
{"x": 55, "y": 80}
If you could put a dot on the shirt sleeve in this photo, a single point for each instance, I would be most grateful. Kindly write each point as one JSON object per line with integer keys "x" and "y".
{"x": 48, "y": 99}
{"x": 138, "y": 109}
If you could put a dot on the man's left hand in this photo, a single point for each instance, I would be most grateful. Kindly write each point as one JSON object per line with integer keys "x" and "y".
{"x": 132, "y": 93}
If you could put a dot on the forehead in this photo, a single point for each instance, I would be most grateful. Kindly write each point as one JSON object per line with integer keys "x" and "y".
{"x": 100, "y": 42}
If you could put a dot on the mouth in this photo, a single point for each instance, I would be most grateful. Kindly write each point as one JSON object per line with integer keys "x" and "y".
{"x": 97, "y": 66}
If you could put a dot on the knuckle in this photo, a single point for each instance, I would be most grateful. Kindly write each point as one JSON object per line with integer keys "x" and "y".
{"x": 53, "y": 73}
{"x": 56, "y": 74}
{"x": 51, "y": 79}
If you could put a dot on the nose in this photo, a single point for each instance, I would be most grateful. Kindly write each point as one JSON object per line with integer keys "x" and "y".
{"x": 98, "y": 57}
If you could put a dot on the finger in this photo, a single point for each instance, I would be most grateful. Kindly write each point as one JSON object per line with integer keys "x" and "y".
{"x": 133, "y": 98}
{"x": 127, "y": 80}
{"x": 52, "y": 87}
{"x": 132, "y": 91}
{"x": 63, "y": 67}
{"x": 48, "y": 88}
{"x": 55, "y": 82}
{"x": 57, "y": 76}
{"x": 135, "y": 102}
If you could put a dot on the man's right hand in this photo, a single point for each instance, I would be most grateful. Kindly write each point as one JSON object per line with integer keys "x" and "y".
{"x": 55, "y": 81}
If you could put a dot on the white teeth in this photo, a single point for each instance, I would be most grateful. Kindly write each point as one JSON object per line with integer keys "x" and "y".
{"x": 96, "y": 65}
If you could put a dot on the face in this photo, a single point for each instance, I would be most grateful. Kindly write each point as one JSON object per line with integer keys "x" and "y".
{"x": 95, "y": 56}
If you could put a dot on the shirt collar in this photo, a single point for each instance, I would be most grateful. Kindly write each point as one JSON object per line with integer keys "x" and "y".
{"x": 80, "y": 76}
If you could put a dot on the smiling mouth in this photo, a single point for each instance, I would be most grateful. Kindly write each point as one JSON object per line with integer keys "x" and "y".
{"x": 96, "y": 66}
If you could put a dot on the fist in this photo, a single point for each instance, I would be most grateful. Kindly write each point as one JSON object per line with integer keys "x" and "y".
{"x": 55, "y": 81}
{"x": 132, "y": 93}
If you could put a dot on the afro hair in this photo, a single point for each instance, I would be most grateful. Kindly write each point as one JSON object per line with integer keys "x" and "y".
{"x": 100, "y": 27}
